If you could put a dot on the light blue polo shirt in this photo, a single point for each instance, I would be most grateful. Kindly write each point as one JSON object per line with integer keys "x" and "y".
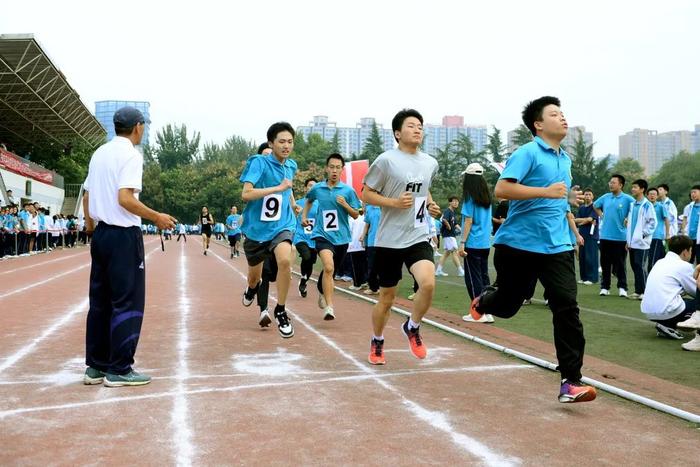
{"x": 303, "y": 234}
{"x": 373, "y": 215}
{"x": 661, "y": 215}
{"x": 332, "y": 219}
{"x": 693, "y": 221}
{"x": 480, "y": 233}
{"x": 538, "y": 225}
{"x": 615, "y": 210}
{"x": 265, "y": 218}
{"x": 234, "y": 220}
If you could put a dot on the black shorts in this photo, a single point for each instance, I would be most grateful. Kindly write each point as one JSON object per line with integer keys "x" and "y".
{"x": 323, "y": 244}
{"x": 257, "y": 252}
{"x": 206, "y": 230}
{"x": 233, "y": 239}
{"x": 389, "y": 261}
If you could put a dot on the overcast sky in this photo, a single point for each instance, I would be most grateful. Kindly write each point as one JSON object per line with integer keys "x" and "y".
{"x": 228, "y": 68}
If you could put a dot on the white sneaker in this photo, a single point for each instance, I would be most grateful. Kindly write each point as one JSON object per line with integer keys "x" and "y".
{"x": 633, "y": 296}
{"x": 461, "y": 272}
{"x": 587, "y": 283}
{"x": 694, "y": 345}
{"x": 322, "y": 301}
{"x": 691, "y": 323}
{"x": 622, "y": 293}
{"x": 665, "y": 331}
{"x": 604, "y": 292}
{"x": 264, "y": 320}
{"x": 579, "y": 281}
{"x": 355, "y": 287}
{"x": 328, "y": 314}
{"x": 440, "y": 272}
{"x": 411, "y": 296}
{"x": 485, "y": 318}
{"x": 527, "y": 301}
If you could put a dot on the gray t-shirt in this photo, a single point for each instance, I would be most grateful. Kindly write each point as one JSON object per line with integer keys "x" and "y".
{"x": 392, "y": 173}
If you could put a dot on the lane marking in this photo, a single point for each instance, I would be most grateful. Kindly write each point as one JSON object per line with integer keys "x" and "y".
{"x": 44, "y": 263}
{"x": 59, "y": 323}
{"x": 180, "y": 420}
{"x": 436, "y": 419}
{"x": 364, "y": 376}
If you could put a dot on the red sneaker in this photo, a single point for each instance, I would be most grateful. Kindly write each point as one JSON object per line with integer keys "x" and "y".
{"x": 473, "y": 312}
{"x": 415, "y": 343}
{"x": 575, "y": 391}
{"x": 376, "y": 352}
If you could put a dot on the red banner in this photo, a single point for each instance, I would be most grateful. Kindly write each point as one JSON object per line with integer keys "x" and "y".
{"x": 16, "y": 164}
{"x": 354, "y": 174}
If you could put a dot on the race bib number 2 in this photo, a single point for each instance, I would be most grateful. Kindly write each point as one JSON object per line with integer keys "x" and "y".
{"x": 271, "y": 208}
{"x": 330, "y": 220}
{"x": 420, "y": 211}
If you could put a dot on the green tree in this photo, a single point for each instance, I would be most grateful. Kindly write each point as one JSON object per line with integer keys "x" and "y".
{"x": 680, "y": 173}
{"x": 314, "y": 151}
{"x": 495, "y": 147}
{"x": 335, "y": 143}
{"x": 630, "y": 169}
{"x": 586, "y": 171}
{"x": 374, "y": 145}
{"x": 522, "y": 136}
{"x": 174, "y": 148}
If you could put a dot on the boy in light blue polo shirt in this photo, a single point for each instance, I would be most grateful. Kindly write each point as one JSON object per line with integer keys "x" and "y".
{"x": 534, "y": 241}
{"x": 331, "y": 231}
{"x": 269, "y": 219}
{"x": 373, "y": 215}
{"x": 612, "y": 208}
{"x": 233, "y": 230}
{"x": 303, "y": 242}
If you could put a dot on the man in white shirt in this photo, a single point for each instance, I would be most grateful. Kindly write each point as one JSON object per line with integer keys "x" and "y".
{"x": 669, "y": 279}
{"x": 117, "y": 275}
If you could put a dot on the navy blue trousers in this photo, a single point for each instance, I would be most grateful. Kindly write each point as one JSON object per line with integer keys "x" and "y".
{"x": 117, "y": 298}
{"x": 588, "y": 259}
{"x": 656, "y": 252}
{"x": 476, "y": 270}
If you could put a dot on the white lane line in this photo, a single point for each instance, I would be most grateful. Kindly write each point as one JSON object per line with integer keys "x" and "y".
{"x": 364, "y": 376}
{"x": 40, "y": 283}
{"x": 43, "y": 263}
{"x": 180, "y": 420}
{"x": 59, "y": 323}
{"x": 49, "y": 379}
{"x": 436, "y": 419}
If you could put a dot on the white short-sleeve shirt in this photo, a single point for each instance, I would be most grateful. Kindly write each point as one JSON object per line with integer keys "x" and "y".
{"x": 115, "y": 165}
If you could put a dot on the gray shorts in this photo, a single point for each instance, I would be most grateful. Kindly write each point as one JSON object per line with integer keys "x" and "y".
{"x": 257, "y": 252}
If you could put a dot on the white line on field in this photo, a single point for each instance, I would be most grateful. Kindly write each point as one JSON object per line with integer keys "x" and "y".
{"x": 43, "y": 263}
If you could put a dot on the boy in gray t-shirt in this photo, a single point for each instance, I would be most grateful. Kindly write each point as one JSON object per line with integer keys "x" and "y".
{"x": 399, "y": 182}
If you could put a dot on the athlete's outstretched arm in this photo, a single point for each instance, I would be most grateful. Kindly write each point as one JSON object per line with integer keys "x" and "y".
{"x": 507, "y": 188}
{"x": 251, "y": 194}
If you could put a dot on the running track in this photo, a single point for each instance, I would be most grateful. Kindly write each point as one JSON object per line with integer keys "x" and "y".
{"x": 226, "y": 392}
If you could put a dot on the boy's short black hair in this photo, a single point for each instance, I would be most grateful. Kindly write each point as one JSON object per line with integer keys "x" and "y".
{"x": 652, "y": 188}
{"x": 399, "y": 118}
{"x": 310, "y": 179}
{"x": 449, "y": 200}
{"x": 680, "y": 243}
{"x": 337, "y": 156}
{"x": 620, "y": 178}
{"x": 533, "y": 111}
{"x": 696, "y": 187}
{"x": 665, "y": 187}
{"x": 641, "y": 184}
{"x": 588, "y": 190}
{"x": 277, "y": 128}
{"x": 262, "y": 147}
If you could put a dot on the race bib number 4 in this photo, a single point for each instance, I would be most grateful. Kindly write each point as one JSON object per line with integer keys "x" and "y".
{"x": 420, "y": 212}
{"x": 271, "y": 208}
{"x": 309, "y": 228}
{"x": 330, "y": 220}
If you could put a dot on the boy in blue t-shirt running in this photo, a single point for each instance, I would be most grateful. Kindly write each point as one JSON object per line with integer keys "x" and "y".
{"x": 233, "y": 230}
{"x": 269, "y": 218}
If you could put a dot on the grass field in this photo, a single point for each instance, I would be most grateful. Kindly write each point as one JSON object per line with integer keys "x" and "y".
{"x": 610, "y": 333}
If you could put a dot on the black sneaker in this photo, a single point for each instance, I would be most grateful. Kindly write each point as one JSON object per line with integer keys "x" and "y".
{"x": 302, "y": 288}
{"x": 231, "y": 256}
{"x": 205, "y": 252}
{"x": 284, "y": 326}
{"x": 665, "y": 331}
{"x": 249, "y": 295}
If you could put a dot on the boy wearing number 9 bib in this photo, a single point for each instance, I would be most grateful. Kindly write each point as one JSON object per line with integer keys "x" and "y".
{"x": 268, "y": 218}
{"x": 331, "y": 232}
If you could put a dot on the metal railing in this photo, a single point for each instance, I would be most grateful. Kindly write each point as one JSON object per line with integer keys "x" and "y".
{"x": 72, "y": 190}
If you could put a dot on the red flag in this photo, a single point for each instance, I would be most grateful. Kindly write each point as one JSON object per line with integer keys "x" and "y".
{"x": 354, "y": 174}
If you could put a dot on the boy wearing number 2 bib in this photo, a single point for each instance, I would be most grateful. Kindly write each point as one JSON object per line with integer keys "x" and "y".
{"x": 268, "y": 218}
{"x": 302, "y": 239}
{"x": 331, "y": 231}
{"x": 399, "y": 181}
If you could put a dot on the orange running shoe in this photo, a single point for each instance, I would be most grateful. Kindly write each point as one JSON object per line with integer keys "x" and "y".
{"x": 473, "y": 312}
{"x": 415, "y": 343}
{"x": 575, "y": 391}
{"x": 376, "y": 352}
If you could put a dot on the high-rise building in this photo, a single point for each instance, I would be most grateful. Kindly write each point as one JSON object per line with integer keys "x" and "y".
{"x": 572, "y": 136}
{"x": 652, "y": 149}
{"x": 439, "y": 136}
{"x": 104, "y": 111}
{"x": 351, "y": 140}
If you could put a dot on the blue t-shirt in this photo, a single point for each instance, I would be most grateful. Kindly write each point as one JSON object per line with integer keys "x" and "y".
{"x": 661, "y": 215}
{"x": 332, "y": 219}
{"x": 303, "y": 234}
{"x": 480, "y": 233}
{"x": 538, "y": 225}
{"x": 265, "y": 218}
{"x": 373, "y": 215}
{"x": 585, "y": 230}
{"x": 615, "y": 210}
{"x": 233, "y": 220}
{"x": 693, "y": 221}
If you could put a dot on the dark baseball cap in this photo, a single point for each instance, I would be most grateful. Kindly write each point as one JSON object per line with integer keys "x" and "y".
{"x": 129, "y": 116}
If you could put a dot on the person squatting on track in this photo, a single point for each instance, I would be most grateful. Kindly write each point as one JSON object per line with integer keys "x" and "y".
{"x": 331, "y": 232}
{"x": 233, "y": 230}
{"x": 303, "y": 242}
{"x": 206, "y": 221}
{"x": 399, "y": 181}
{"x": 269, "y": 218}
{"x": 117, "y": 274}
{"x": 536, "y": 179}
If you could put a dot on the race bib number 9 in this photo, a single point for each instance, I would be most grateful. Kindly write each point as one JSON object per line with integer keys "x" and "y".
{"x": 330, "y": 220}
{"x": 420, "y": 211}
{"x": 271, "y": 208}
{"x": 309, "y": 228}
